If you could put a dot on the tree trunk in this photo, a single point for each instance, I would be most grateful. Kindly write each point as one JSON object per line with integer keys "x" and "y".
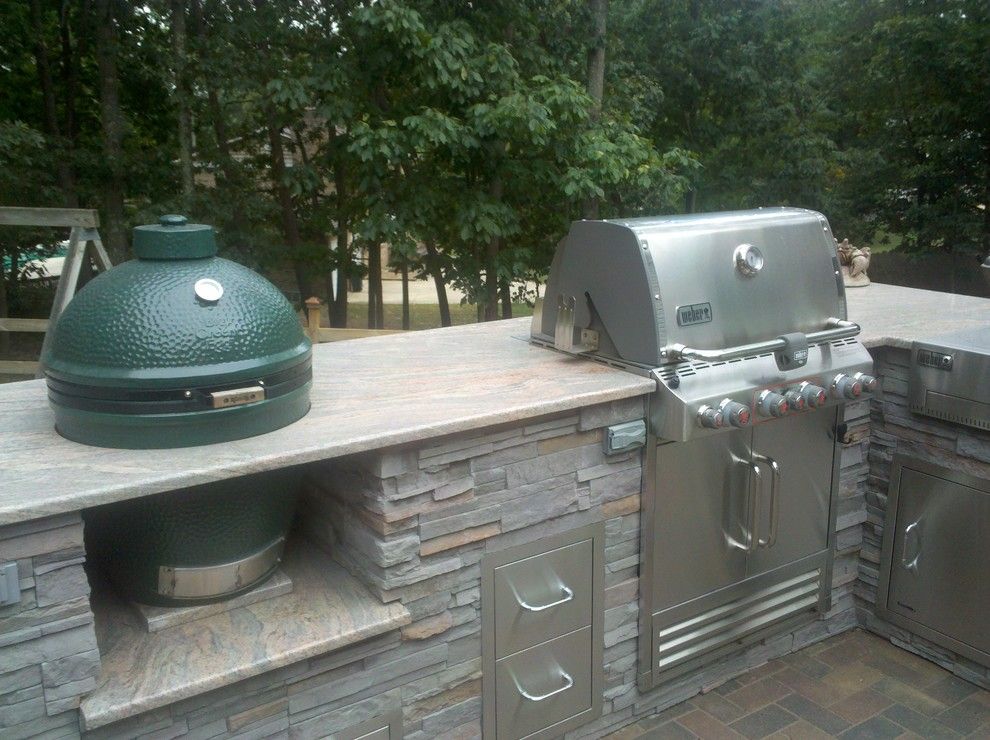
{"x": 985, "y": 237}
{"x": 405, "y": 294}
{"x": 4, "y": 335}
{"x": 63, "y": 164}
{"x": 491, "y": 262}
{"x": 598, "y": 9}
{"x": 375, "y": 305}
{"x": 290, "y": 223}
{"x": 433, "y": 266}
{"x": 689, "y": 200}
{"x": 338, "y": 313}
{"x": 230, "y": 179}
{"x": 505, "y": 296}
{"x": 69, "y": 70}
{"x": 491, "y": 279}
{"x": 112, "y": 122}
{"x": 182, "y": 101}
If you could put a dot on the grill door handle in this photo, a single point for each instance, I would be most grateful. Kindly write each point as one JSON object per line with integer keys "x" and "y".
{"x": 911, "y": 532}
{"x": 568, "y": 682}
{"x": 836, "y": 329}
{"x": 771, "y": 539}
{"x": 566, "y": 595}
{"x": 752, "y": 541}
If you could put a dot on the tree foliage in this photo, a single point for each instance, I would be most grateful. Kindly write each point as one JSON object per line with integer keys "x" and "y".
{"x": 467, "y": 135}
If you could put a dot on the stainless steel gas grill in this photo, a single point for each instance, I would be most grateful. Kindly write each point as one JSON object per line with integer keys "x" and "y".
{"x": 741, "y": 319}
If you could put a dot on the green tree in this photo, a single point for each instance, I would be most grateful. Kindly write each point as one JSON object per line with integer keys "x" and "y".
{"x": 912, "y": 119}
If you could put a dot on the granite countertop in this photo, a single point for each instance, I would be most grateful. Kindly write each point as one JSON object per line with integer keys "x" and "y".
{"x": 383, "y": 391}
{"x": 895, "y": 316}
{"x": 367, "y": 394}
{"x": 326, "y": 610}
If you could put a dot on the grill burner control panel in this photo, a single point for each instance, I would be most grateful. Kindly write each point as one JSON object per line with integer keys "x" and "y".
{"x": 773, "y": 403}
{"x": 696, "y": 399}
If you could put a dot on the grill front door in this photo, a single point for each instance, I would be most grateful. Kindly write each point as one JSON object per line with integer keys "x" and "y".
{"x": 794, "y": 518}
{"x": 739, "y": 527}
{"x": 700, "y": 509}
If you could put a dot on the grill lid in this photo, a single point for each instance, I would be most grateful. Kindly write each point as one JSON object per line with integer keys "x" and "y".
{"x": 176, "y": 348}
{"x": 649, "y": 291}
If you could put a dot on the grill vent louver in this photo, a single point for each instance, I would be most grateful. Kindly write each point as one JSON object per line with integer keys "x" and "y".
{"x": 733, "y": 622}
{"x": 947, "y": 416}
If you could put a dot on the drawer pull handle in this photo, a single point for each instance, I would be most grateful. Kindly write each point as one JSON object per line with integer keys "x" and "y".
{"x": 568, "y": 682}
{"x": 566, "y": 595}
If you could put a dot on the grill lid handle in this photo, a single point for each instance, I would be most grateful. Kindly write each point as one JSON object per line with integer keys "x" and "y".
{"x": 837, "y": 329}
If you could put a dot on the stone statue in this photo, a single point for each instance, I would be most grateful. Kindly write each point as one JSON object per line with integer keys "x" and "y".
{"x": 854, "y": 262}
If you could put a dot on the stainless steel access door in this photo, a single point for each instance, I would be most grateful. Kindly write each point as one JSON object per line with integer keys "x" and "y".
{"x": 794, "y": 456}
{"x": 936, "y": 556}
{"x": 699, "y": 537}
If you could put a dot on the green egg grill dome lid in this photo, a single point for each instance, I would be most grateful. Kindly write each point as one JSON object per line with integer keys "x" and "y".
{"x": 176, "y": 348}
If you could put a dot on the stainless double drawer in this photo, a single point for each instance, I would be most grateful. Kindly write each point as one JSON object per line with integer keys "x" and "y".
{"x": 542, "y": 633}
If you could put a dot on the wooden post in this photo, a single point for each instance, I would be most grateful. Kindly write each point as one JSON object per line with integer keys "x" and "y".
{"x": 313, "y": 319}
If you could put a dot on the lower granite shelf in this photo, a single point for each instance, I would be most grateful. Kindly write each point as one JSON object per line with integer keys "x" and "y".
{"x": 326, "y": 610}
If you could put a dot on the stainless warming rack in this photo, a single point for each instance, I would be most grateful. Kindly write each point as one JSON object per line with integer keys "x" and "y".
{"x": 741, "y": 319}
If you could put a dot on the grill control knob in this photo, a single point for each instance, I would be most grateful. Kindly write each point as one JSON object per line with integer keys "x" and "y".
{"x": 844, "y": 386}
{"x": 868, "y": 381}
{"x": 795, "y": 401}
{"x": 813, "y": 395}
{"x": 736, "y": 413}
{"x": 771, "y": 404}
{"x": 710, "y": 418}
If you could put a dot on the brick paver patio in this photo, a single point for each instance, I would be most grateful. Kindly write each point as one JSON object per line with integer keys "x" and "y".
{"x": 854, "y": 685}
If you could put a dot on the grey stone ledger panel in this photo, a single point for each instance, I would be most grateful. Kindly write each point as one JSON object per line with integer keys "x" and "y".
{"x": 894, "y": 429}
{"x": 48, "y": 652}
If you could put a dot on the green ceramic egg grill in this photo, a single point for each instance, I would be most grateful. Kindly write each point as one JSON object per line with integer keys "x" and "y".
{"x": 178, "y": 348}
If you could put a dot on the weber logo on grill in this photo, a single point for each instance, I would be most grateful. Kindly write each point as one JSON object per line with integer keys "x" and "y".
{"x": 696, "y": 313}
{"x": 936, "y": 360}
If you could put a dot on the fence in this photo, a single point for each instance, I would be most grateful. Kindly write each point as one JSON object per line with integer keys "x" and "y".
{"x": 21, "y": 367}
{"x": 319, "y": 333}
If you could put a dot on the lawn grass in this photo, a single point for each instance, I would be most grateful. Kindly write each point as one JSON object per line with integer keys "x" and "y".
{"x": 422, "y": 315}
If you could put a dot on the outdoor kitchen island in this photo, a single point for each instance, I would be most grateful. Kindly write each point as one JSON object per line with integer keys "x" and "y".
{"x": 430, "y": 455}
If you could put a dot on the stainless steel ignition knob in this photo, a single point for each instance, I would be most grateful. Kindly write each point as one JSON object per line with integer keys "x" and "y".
{"x": 736, "y": 413}
{"x": 868, "y": 381}
{"x": 844, "y": 386}
{"x": 813, "y": 395}
{"x": 795, "y": 401}
{"x": 771, "y": 404}
{"x": 710, "y": 418}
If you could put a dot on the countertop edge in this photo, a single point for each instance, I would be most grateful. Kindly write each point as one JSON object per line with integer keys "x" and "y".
{"x": 639, "y": 386}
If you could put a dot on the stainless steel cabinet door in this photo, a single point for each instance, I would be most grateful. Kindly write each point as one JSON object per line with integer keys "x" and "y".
{"x": 794, "y": 518}
{"x": 699, "y": 529}
{"x": 938, "y": 570}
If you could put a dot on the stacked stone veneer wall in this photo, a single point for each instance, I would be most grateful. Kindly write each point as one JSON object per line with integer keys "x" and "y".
{"x": 894, "y": 429}
{"x": 48, "y": 653}
{"x": 413, "y": 524}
